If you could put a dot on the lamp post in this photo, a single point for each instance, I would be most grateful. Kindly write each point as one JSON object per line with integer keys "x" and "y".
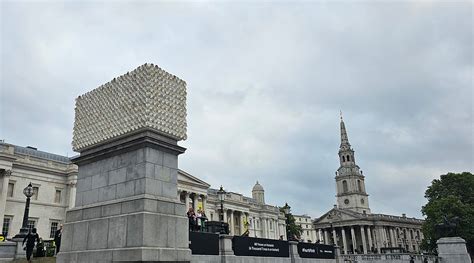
{"x": 221, "y": 195}
{"x": 286, "y": 210}
{"x": 28, "y": 192}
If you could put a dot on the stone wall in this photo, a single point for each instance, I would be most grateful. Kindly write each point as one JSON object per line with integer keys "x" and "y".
{"x": 384, "y": 258}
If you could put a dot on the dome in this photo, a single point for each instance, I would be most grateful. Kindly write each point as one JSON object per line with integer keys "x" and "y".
{"x": 257, "y": 187}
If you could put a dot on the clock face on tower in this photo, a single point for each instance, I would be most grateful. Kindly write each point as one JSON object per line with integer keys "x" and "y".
{"x": 346, "y": 201}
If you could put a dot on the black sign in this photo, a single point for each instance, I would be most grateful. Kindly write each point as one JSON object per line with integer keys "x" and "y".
{"x": 202, "y": 243}
{"x": 259, "y": 247}
{"x": 308, "y": 250}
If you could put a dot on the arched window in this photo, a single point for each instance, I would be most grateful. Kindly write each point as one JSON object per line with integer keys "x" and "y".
{"x": 343, "y": 158}
{"x": 348, "y": 158}
{"x": 359, "y": 186}
{"x": 344, "y": 186}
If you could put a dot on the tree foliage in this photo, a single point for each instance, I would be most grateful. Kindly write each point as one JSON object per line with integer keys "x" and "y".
{"x": 293, "y": 230}
{"x": 452, "y": 195}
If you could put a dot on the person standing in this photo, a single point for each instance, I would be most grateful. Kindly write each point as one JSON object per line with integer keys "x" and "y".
{"x": 57, "y": 238}
{"x": 192, "y": 219}
{"x": 30, "y": 240}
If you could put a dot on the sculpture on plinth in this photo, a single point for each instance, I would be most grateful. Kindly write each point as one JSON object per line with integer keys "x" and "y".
{"x": 127, "y": 209}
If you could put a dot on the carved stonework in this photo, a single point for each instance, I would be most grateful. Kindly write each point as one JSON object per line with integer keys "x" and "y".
{"x": 5, "y": 172}
{"x": 147, "y": 97}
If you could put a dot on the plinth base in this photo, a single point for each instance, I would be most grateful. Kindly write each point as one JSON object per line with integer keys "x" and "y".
{"x": 127, "y": 208}
{"x": 453, "y": 250}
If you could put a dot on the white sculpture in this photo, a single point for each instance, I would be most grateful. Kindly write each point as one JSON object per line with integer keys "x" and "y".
{"x": 147, "y": 97}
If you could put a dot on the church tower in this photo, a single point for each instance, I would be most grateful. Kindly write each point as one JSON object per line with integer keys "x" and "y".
{"x": 350, "y": 183}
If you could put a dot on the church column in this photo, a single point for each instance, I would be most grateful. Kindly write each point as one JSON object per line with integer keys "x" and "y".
{"x": 354, "y": 243}
{"x": 3, "y": 195}
{"x": 362, "y": 234}
{"x": 344, "y": 241}
{"x": 410, "y": 243}
{"x": 334, "y": 236}
{"x": 369, "y": 235}
{"x": 383, "y": 241}
{"x": 378, "y": 239}
{"x": 394, "y": 237}
{"x": 326, "y": 238}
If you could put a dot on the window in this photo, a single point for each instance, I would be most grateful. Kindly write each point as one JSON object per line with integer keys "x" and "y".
{"x": 6, "y": 226}
{"x": 344, "y": 186}
{"x": 57, "y": 196}
{"x": 11, "y": 186}
{"x": 348, "y": 158}
{"x": 359, "y": 186}
{"x": 35, "y": 193}
{"x": 362, "y": 201}
{"x": 271, "y": 225}
{"x": 54, "y": 227}
{"x": 343, "y": 158}
{"x": 31, "y": 224}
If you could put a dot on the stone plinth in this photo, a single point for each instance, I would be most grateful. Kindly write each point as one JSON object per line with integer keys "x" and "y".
{"x": 453, "y": 250}
{"x": 8, "y": 250}
{"x": 127, "y": 209}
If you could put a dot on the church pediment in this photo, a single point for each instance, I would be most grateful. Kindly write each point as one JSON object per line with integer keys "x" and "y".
{"x": 336, "y": 215}
{"x": 187, "y": 179}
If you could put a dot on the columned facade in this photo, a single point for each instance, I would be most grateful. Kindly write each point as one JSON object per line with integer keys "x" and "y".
{"x": 54, "y": 180}
{"x": 351, "y": 224}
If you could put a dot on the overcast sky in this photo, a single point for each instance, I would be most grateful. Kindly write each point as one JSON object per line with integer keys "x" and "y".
{"x": 266, "y": 83}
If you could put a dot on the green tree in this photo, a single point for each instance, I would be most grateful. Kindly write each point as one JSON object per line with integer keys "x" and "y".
{"x": 292, "y": 229}
{"x": 452, "y": 195}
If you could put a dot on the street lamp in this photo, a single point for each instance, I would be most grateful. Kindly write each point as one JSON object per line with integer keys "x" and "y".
{"x": 221, "y": 194}
{"x": 286, "y": 210}
{"x": 28, "y": 192}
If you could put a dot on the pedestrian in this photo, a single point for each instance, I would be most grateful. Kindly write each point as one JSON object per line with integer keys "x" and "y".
{"x": 412, "y": 259}
{"x": 198, "y": 220}
{"x": 40, "y": 249}
{"x": 30, "y": 240}
{"x": 57, "y": 238}
{"x": 192, "y": 219}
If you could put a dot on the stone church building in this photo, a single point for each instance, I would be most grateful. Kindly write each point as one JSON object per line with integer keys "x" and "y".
{"x": 351, "y": 224}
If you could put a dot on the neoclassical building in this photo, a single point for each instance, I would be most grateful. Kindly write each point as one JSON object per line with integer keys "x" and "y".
{"x": 308, "y": 233}
{"x": 240, "y": 212}
{"x": 351, "y": 224}
{"x": 54, "y": 180}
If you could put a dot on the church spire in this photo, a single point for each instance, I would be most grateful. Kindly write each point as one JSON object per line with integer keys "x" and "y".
{"x": 344, "y": 139}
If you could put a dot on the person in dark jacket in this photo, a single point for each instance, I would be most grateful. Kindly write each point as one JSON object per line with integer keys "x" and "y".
{"x": 30, "y": 240}
{"x": 57, "y": 238}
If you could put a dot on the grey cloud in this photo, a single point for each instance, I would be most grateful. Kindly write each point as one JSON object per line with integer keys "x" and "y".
{"x": 265, "y": 86}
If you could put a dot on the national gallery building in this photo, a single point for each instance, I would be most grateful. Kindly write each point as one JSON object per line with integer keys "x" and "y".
{"x": 54, "y": 179}
{"x": 351, "y": 225}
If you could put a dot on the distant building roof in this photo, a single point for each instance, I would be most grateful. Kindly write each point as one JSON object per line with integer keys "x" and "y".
{"x": 39, "y": 154}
